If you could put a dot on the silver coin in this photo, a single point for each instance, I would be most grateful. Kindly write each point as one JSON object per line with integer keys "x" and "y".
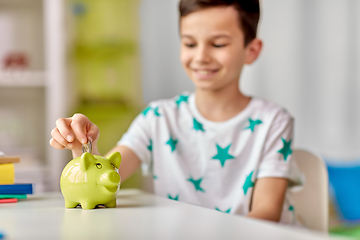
{"x": 87, "y": 147}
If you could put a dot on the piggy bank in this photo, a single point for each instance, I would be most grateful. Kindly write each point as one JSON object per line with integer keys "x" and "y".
{"x": 91, "y": 180}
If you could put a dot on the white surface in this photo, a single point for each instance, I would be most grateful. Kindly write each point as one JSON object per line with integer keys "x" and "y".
{"x": 137, "y": 216}
{"x": 312, "y": 202}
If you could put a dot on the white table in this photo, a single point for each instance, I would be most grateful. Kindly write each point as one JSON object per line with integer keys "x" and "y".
{"x": 138, "y": 216}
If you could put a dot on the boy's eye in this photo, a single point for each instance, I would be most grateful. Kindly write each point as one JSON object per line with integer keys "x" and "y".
{"x": 98, "y": 165}
{"x": 190, "y": 45}
{"x": 219, "y": 45}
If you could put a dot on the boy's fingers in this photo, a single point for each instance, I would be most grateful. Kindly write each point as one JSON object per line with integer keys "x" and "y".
{"x": 57, "y": 136}
{"x": 63, "y": 126}
{"x": 55, "y": 144}
{"x": 93, "y": 133}
{"x": 79, "y": 128}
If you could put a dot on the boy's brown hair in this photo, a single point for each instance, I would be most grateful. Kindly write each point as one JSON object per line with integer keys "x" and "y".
{"x": 248, "y": 10}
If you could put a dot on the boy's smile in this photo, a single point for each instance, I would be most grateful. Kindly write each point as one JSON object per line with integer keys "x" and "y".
{"x": 212, "y": 48}
{"x": 204, "y": 73}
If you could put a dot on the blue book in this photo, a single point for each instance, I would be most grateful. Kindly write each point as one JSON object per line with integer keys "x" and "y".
{"x": 19, "y": 188}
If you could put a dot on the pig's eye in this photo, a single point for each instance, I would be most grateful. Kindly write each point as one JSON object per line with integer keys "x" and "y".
{"x": 113, "y": 165}
{"x": 98, "y": 165}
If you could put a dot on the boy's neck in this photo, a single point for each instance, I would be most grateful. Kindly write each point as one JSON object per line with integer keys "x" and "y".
{"x": 221, "y": 105}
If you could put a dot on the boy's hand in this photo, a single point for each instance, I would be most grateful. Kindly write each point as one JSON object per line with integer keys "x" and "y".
{"x": 72, "y": 132}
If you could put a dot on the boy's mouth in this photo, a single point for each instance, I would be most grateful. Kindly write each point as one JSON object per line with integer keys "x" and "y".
{"x": 205, "y": 73}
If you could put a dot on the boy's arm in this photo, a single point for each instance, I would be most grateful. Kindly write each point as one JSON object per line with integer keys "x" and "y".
{"x": 129, "y": 161}
{"x": 268, "y": 198}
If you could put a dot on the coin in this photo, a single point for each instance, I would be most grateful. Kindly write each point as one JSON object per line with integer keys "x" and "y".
{"x": 87, "y": 147}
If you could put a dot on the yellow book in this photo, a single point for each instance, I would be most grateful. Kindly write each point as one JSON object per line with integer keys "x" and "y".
{"x": 7, "y": 173}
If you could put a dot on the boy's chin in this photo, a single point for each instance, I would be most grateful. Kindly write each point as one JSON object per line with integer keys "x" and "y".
{"x": 206, "y": 87}
{"x": 213, "y": 86}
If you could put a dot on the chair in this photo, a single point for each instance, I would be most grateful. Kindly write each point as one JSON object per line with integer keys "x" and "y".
{"x": 311, "y": 202}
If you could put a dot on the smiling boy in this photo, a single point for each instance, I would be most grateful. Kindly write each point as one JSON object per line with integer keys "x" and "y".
{"x": 215, "y": 147}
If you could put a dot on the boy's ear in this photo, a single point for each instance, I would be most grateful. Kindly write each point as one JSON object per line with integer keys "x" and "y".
{"x": 85, "y": 160}
{"x": 115, "y": 158}
{"x": 253, "y": 50}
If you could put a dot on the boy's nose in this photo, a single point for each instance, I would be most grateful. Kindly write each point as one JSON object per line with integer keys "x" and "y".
{"x": 202, "y": 55}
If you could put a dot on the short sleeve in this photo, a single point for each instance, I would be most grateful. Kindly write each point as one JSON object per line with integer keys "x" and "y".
{"x": 277, "y": 159}
{"x": 138, "y": 138}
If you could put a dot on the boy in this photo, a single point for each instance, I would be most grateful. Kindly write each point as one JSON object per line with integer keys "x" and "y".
{"x": 215, "y": 147}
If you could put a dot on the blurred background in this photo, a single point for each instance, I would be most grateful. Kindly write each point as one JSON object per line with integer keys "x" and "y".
{"x": 107, "y": 59}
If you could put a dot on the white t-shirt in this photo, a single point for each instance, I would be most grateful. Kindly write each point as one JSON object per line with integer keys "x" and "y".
{"x": 214, "y": 164}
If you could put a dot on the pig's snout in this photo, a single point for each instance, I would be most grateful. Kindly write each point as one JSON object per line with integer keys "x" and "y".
{"x": 114, "y": 177}
{"x": 111, "y": 179}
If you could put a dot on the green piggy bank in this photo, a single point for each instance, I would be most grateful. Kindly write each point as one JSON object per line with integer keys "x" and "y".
{"x": 91, "y": 180}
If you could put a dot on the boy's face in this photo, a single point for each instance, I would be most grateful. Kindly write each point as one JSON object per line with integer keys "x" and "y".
{"x": 212, "y": 47}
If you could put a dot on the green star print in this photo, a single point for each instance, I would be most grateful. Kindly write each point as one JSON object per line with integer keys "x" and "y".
{"x": 180, "y": 99}
{"x": 286, "y": 150}
{"x": 172, "y": 143}
{"x": 156, "y": 112}
{"x": 248, "y": 183}
{"x": 227, "y": 211}
{"x": 196, "y": 183}
{"x": 198, "y": 126}
{"x": 223, "y": 154}
{"x": 173, "y": 198}
{"x": 150, "y": 146}
{"x": 292, "y": 209}
{"x": 253, "y": 123}
{"x": 146, "y": 110}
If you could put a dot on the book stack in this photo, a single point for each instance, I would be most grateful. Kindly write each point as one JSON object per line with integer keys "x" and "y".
{"x": 9, "y": 191}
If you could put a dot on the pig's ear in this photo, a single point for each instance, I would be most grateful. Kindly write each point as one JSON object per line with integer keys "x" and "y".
{"x": 115, "y": 158}
{"x": 85, "y": 161}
